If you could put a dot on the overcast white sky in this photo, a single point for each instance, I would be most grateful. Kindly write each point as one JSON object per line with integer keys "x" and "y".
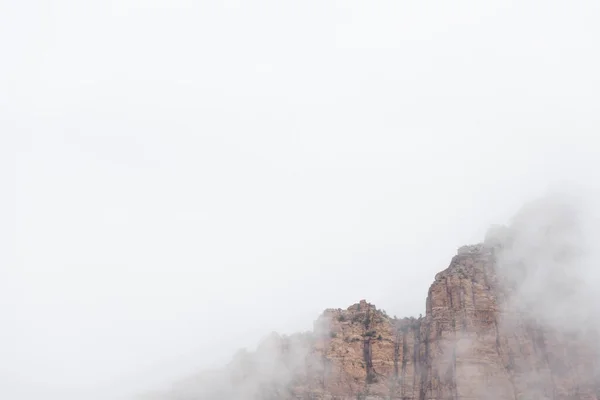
{"x": 180, "y": 178}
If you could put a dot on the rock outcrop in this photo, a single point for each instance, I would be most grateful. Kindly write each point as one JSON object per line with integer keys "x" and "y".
{"x": 476, "y": 341}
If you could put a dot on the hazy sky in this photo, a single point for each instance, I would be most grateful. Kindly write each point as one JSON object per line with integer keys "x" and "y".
{"x": 180, "y": 178}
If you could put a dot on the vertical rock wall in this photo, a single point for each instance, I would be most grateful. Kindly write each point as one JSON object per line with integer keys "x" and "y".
{"x": 475, "y": 342}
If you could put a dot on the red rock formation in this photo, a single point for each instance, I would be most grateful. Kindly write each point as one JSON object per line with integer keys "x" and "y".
{"x": 475, "y": 342}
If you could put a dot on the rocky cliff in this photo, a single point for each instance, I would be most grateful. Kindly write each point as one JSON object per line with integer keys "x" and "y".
{"x": 481, "y": 338}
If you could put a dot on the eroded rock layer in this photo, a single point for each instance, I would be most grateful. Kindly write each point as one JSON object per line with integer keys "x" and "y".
{"x": 476, "y": 341}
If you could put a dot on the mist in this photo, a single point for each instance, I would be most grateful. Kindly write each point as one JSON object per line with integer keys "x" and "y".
{"x": 180, "y": 179}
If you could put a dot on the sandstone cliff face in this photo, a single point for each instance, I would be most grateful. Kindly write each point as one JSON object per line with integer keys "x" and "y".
{"x": 475, "y": 342}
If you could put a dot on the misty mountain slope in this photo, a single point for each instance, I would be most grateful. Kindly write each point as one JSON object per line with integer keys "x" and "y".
{"x": 510, "y": 318}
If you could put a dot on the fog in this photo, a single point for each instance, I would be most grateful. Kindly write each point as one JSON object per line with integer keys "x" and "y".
{"x": 181, "y": 178}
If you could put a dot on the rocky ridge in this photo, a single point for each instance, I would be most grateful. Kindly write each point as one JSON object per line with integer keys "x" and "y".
{"x": 474, "y": 342}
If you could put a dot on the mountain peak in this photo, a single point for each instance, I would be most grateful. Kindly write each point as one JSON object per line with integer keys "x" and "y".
{"x": 475, "y": 342}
